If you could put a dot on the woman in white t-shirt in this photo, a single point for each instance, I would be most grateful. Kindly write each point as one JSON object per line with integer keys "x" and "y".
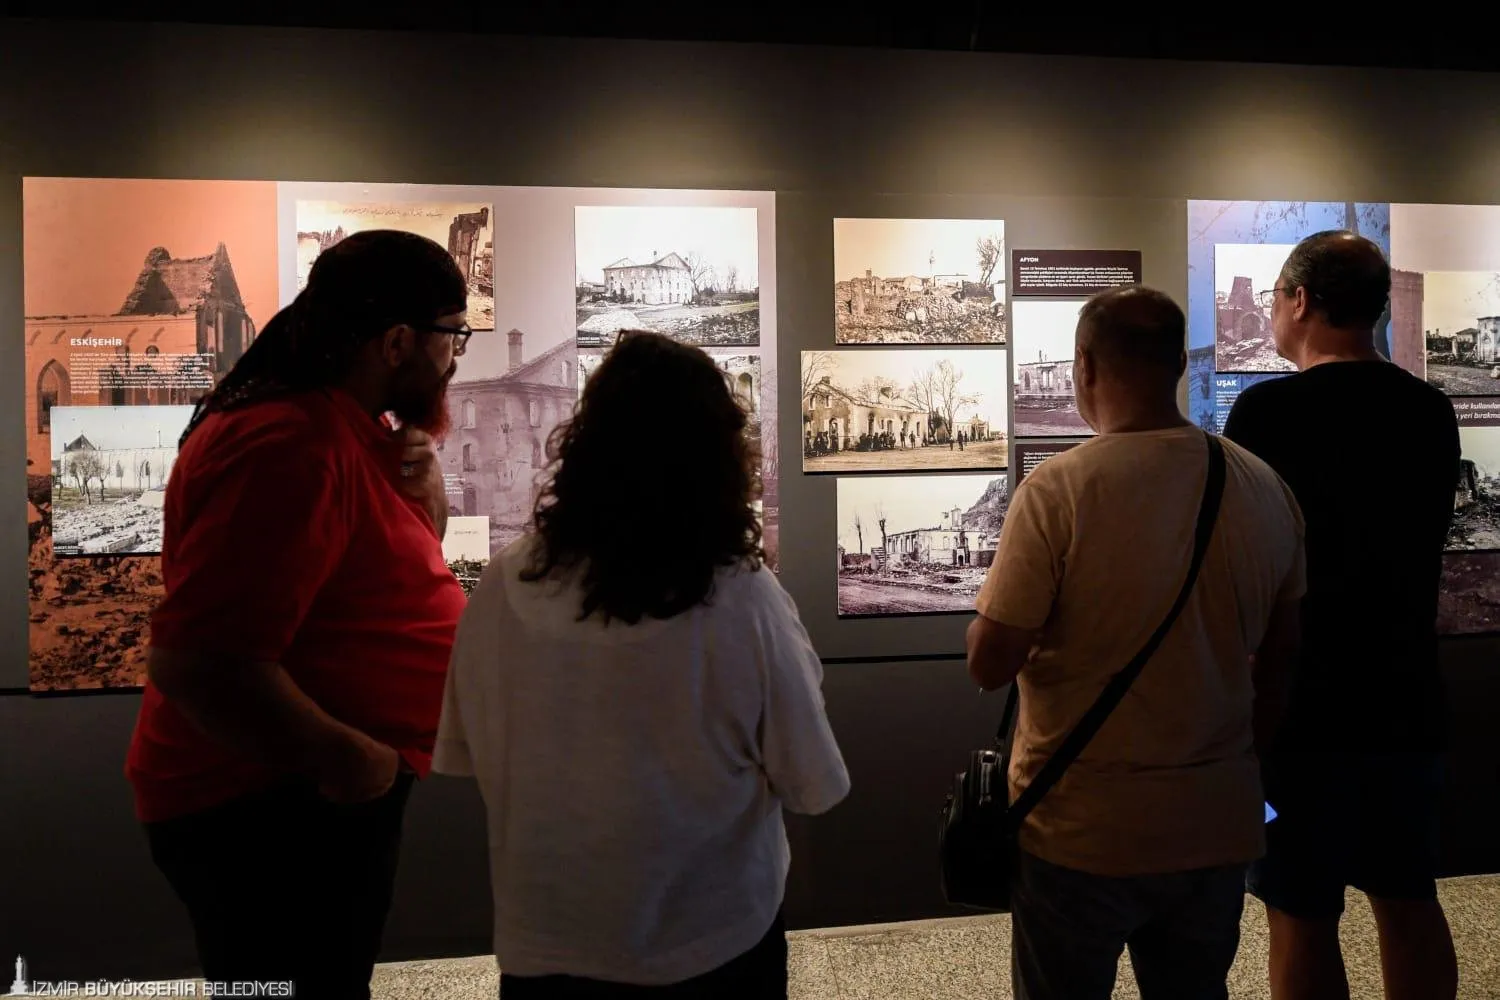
{"x": 638, "y": 700}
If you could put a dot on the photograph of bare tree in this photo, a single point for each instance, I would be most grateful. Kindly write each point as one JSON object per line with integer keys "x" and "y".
{"x": 916, "y": 544}
{"x": 919, "y": 281}
{"x": 110, "y": 466}
{"x": 1461, "y": 331}
{"x": 690, "y": 272}
{"x": 904, "y": 410}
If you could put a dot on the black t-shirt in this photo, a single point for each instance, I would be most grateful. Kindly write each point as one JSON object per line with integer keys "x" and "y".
{"x": 1372, "y": 454}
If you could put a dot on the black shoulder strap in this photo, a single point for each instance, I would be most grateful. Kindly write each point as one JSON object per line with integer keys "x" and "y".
{"x": 1114, "y": 691}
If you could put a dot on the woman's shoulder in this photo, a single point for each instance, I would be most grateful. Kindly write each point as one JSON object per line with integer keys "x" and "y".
{"x": 747, "y": 584}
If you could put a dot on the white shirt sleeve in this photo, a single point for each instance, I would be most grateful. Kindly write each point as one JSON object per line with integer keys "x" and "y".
{"x": 798, "y": 750}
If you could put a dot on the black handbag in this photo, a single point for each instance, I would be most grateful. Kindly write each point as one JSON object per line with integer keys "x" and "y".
{"x": 979, "y": 826}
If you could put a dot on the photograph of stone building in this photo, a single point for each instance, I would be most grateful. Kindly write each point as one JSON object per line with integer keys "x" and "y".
{"x": 467, "y": 230}
{"x": 1046, "y": 404}
{"x": 110, "y": 466}
{"x": 138, "y": 293}
{"x": 690, "y": 272}
{"x": 1461, "y": 331}
{"x": 919, "y": 281}
{"x": 1243, "y": 275}
{"x": 892, "y": 411}
{"x": 916, "y": 544}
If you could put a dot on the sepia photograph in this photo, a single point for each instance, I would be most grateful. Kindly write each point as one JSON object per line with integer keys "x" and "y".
{"x": 1043, "y": 331}
{"x": 912, "y": 545}
{"x": 137, "y": 293}
{"x": 466, "y": 549}
{"x": 919, "y": 281}
{"x": 468, "y": 231}
{"x": 904, "y": 410}
{"x": 1476, "y": 499}
{"x": 689, "y": 272}
{"x": 1461, "y": 331}
{"x": 1244, "y": 275}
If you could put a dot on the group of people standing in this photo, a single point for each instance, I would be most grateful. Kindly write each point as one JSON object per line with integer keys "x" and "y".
{"x": 638, "y": 702}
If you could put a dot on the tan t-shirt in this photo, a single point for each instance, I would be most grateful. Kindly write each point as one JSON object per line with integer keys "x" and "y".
{"x": 1094, "y": 551}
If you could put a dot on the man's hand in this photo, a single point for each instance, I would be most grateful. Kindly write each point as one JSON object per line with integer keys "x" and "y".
{"x": 356, "y": 769}
{"x": 422, "y": 475}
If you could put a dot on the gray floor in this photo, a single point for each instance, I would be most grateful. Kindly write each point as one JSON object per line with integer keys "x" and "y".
{"x": 953, "y": 959}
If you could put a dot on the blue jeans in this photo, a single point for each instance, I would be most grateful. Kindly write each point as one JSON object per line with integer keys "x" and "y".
{"x": 1069, "y": 928}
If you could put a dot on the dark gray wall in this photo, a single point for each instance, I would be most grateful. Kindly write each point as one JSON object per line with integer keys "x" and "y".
{"x": 1073, "y": 151}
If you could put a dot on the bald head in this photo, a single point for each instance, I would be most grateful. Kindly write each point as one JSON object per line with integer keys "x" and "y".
{"x": 1346, "y": 277}
{"x": 1134, "y": 333}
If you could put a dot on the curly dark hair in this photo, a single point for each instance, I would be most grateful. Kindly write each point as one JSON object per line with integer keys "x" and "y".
{"x": 356, "y": 290}
{"x": 652, "y": 484}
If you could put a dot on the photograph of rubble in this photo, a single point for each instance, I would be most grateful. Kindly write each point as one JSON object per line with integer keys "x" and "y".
{"x": 1461, "y": 331}
{"x": 1244, "y": 276}
{"x": 1044, "y": 332}
{"x": 1476, "y": 498}
{"x": 689, "y": 272}
{"x": 919, "y": 281}
{"x": 910, "y": 545}
{"x": 1469, "y": 595}
{"x": 110, "y": 466}
{"x": 137, "y": 293}
{"x": 466, "y": 548}
{"x": 468, "y": 231}
{"x": 904, "y": 410}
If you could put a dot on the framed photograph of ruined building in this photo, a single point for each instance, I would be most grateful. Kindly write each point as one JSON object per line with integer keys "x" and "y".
{"x": 139, "y": 296}
{"x": 919, "y": 281}
{"x": 916, "y": 545}
{"x": 1461, "y": 330}
{"x": 904, "y": 410}
{"x": 110, "y": 466}
{"x": 688, "y": 271}
{"x": 467, "y": 230}
{"x": 1244, "y": 277}
{"x": 1476, "y": 500}
{"x": 466, "y": 548}
{"x": 1046, "y": 404}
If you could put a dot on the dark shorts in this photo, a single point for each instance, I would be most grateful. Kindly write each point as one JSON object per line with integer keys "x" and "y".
{"x": 1366, "y": 820}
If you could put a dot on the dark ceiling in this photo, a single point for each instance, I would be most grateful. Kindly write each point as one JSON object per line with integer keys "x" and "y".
{"x": 1218, "y": 31}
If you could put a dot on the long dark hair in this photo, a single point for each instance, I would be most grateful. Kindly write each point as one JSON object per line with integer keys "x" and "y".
{"x": 652, "y": 484}
{"x": 357, "y": 289}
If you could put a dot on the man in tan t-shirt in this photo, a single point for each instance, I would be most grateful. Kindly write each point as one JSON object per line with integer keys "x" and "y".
{"x": 1145, "y": 840}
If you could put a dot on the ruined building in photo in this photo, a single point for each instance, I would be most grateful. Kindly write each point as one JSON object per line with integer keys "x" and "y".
{"x": 472, "y": 252}
{"x": 844, "y": 418}
{"x": 665, "y": 280}
{"x": 951, "y": 542}
{"x": 181, "y": 327}
{"x": 1044, "y": 382}
{"x": 497, "y": 447}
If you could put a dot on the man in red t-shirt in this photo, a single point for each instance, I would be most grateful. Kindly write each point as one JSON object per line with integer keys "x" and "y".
{"x": 297, "y": 662}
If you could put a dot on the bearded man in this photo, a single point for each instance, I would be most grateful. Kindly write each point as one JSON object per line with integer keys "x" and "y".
{"x": 297, "y": 662}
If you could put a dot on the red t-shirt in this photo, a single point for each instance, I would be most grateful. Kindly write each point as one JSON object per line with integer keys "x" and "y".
{"x": 287, "y": 540}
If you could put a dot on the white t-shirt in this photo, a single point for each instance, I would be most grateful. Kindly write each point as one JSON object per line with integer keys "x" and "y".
{"x": 634, "y": 775}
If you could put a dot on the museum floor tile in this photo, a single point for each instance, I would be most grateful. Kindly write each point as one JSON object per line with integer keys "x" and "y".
{"x": 967, "y": 958}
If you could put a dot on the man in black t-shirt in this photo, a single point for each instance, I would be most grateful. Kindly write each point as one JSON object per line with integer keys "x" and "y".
{"x": 1372, "y": 455}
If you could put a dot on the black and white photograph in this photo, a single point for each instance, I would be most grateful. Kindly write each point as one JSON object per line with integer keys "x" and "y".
{"x": 1469, "y": 596}
{"x": 1046, "y": 403}
{"x": 110, "y": 466}
{"x": 904, "y": 410}
{"x": 1244, "y": 275}
{"x": 689, "y": 272}
{"x": 919, "y": 281}
{"x": 468, "y": 231}
{"x": 1461, "y": 331}
{"x": 1476, "y": 497}
{"x": 911, "y": 545}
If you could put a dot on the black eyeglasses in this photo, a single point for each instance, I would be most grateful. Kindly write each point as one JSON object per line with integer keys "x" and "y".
{"x": 463, "y": 333}
{"x": 1267, "y": 298}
